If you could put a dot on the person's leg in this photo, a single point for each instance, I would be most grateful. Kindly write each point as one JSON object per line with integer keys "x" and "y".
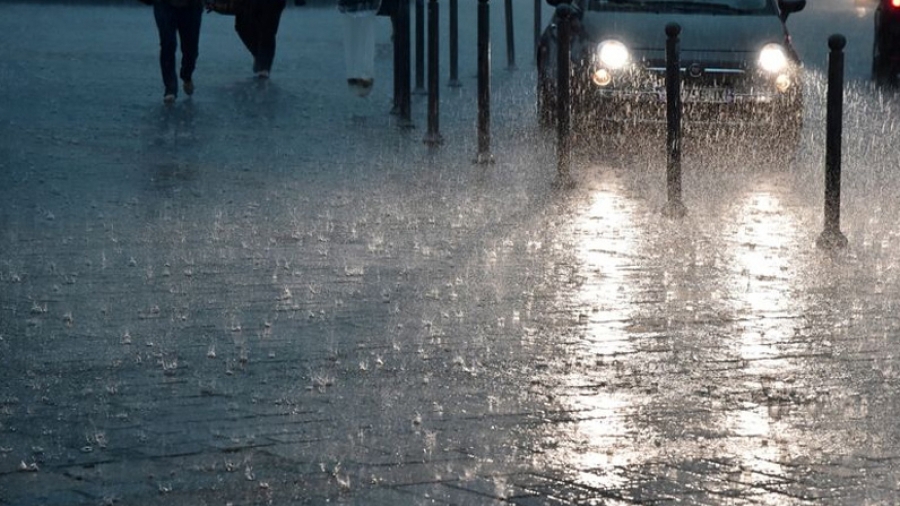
{"x": 189, "y": 20}
{"x": 269, "y": 19}
{"x": 359, "y": 49}
{"x": 367, "y": 47}
{"x": 168, "y": 43}
{"x": 353, "y": 41}
{"x": 245, "y": 26}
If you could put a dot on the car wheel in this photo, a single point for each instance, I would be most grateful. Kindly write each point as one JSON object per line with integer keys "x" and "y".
{"x": 786, "y": 136}
{"x": 546, "y": 103}
{"x": 546, "y": 85}
{"x": 880, "y": 68}
{"x": 883, "y": 72}
{"x": 789, "y": 136}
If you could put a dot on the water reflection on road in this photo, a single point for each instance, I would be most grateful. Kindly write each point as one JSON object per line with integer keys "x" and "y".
{"x": 605, "y": 248}
{"x": 695, "y": 366}
{"x": 764, "y": 288}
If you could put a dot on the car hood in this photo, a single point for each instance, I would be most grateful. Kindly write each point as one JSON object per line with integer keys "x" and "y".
{"x": 707, "y": 33}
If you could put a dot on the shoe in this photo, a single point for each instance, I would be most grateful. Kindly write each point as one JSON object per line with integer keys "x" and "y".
{"x": 169, "y": 98}
{"x": 364, "y": 87}
{"x": 188, "y": 87}
{"x": 355, "y": 86}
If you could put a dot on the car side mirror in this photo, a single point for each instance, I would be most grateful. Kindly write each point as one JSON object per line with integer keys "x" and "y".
{"x": 788, "y": 7}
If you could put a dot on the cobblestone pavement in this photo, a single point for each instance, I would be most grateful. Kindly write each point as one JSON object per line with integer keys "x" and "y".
{"x": 271, "y": 294}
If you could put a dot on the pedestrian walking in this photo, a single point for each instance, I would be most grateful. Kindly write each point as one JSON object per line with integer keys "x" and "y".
{"x": 359, "y": 43}
{"x": 256, "y": 22}
{"x": 178, "y": 19}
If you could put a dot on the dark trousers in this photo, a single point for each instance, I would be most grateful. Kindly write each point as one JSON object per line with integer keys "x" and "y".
{"x": 257, "y": 24}
{"x": 176, "y": 23}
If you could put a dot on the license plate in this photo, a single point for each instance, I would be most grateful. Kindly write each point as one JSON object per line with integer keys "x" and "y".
{"x": 708, "y": 95}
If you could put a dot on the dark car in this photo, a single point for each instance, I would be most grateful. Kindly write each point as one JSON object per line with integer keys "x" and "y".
{"x": 738, "y": 67}
{"x": 886, "y": 51}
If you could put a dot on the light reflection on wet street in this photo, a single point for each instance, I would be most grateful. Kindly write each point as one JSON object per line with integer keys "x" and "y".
{"x": 714, "y": 356}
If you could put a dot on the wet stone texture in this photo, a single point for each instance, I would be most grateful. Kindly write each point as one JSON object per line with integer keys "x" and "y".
{"x": 272, "y": 294}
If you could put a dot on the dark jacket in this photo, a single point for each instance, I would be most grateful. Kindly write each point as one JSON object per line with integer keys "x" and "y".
{"x": 388, "y": 7}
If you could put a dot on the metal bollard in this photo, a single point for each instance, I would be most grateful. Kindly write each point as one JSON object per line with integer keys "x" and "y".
{"x": 420, "y": 47}
{"x": 454, "y": 44}
{"x": 831, "y": 236}
{"x": 402, "y": 64}
{"x": 674, "y": 207}
{"x": 433, "y": 136}
{"x": 537, "y": 27}
{"x": 564, "y": 16}
{"x": 395, "y": 40}
{"x": 510, "y": 38}
{"x": 484, "y": 83}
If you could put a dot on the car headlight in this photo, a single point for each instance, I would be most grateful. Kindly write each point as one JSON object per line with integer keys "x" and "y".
{"x": 612, "y": 54}
{"x": 772, "y": 58}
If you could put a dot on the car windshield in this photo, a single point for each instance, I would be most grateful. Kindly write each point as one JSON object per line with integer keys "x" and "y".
{"x": 697, "y": 6}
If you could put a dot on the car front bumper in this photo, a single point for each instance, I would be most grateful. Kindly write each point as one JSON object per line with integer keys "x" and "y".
{"x": 714, "y": 102}
{"x": 718, "y": 107}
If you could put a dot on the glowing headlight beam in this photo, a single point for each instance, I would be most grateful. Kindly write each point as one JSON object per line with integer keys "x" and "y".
{"x": 772, "y": 58}
{"x": 612, "y": 54}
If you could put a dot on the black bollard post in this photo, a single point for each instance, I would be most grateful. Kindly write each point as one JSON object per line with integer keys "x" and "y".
{"x": 402, "y": 45}
{"x": 831, "y": 236}
{"x": 454, "y": 44}
{"x": 484, "y": 83}
{"x": 395, "y": 40}
{"x": 537, "y": 27}
{"x": 433, "y": 136}
{"x": 420, "y": 47}
{"x": 510, "y": 38}
{"x": 674, "y": 206}
{"x": 564, "y": 16}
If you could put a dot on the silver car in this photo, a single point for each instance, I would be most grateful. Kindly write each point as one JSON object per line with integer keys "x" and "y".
{"x": 739, "y": 70}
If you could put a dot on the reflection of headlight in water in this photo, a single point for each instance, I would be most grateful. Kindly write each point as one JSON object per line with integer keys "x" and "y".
{"x": 772, "y": 58}
{"x": 602, "y": 77}
{"x": 783, "y": 83}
